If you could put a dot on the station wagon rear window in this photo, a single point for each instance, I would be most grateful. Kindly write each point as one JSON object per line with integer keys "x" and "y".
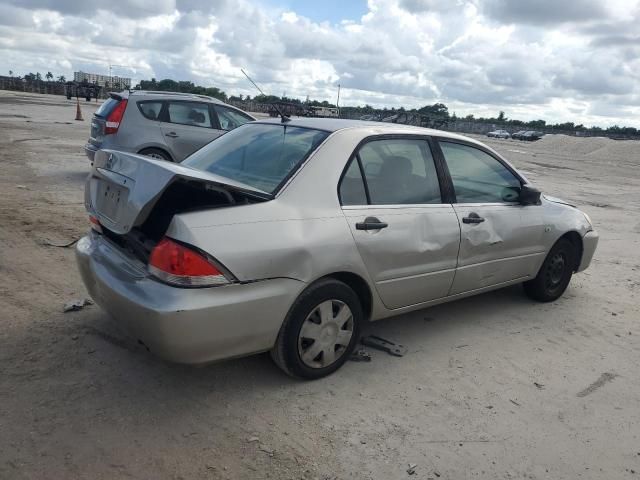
{"x": 260, "y": 155}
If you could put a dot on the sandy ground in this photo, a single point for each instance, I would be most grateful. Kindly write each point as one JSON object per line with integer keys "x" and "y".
{"x": 494, "y": 387}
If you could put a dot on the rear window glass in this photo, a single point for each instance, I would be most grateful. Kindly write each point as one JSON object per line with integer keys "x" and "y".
{"x": 107, "y": 106}
{"x": 150, "y": 109}
{"x": 259, "y": 155}
{"x": 190, "y": 113}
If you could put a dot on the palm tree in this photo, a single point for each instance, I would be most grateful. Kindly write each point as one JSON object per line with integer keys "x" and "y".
{"x": 11, "y": 73}
{"x": 49, "y": 76}
{"x": 61, "y": 79}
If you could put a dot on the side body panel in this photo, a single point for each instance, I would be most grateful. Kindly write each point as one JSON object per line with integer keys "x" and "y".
{"x": 183, "y": 140}
{"x": 507, "y": 245}
{"x": 413, "y": 260}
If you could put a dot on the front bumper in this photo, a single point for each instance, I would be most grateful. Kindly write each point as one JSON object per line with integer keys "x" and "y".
{"x": 192, "y": 326}
{"x": 589, "y": 244}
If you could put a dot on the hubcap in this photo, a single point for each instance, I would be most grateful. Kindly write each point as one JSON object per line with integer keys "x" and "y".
{"x": 555, "y": 270}
{"x": 325, "y": 334}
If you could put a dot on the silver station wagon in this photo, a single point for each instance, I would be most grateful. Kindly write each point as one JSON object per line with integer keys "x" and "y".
{"x": 165, "y": 125}
{"x": 288, "y": 236}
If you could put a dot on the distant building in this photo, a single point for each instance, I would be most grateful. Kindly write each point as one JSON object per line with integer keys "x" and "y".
{"x": 102, "y": 80}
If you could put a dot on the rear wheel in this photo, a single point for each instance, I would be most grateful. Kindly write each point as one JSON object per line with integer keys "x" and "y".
{"x": 320, "y": 331}
{"x": 156, "y": 153}
{"x": 554, "y": 275}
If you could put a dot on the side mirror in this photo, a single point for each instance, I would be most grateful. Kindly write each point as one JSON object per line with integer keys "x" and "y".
{"x": 529, "y": 195}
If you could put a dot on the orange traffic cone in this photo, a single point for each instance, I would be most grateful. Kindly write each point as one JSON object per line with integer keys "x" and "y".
{"x": 78, "y": 111}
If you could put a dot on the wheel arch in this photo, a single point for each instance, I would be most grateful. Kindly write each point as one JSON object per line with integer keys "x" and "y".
{"x": 359, "y": 285}
{"x": 576, "y": 240}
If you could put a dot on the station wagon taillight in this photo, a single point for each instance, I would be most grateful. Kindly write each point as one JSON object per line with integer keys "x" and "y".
{"x": 179, "y": 265}
{"x": 114, "y": 118}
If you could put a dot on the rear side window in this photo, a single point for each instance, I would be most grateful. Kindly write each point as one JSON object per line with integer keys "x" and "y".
{"x": 107, "y": 107}
{"x": 150, "y": 109}
{"x": 230, "y": 119}
{"x": 189, "y": 113}
{"x": 258, "y": 155}
{"x": 478, "y": 177}
{"x": 398, "y": 171}
{"x": 352, "y": 191}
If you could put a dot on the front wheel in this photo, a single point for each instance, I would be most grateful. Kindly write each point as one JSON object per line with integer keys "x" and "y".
{"x": 320, "y": 331}
{"x": 554, "y": 275}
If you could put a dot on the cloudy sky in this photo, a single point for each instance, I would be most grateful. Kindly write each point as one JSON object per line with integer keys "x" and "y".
{"x": 560, "y": 60}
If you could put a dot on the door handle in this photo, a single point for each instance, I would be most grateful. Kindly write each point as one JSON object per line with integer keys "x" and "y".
{"x": 473, "y": 218}
{"x": 371, "y": 223}
{"x": 171, "y": 134}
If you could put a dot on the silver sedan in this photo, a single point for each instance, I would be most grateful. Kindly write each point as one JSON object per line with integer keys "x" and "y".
{"x": 288, "y": 236}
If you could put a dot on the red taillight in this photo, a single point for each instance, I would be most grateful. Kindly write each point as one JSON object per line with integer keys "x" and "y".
{"x": 179, "y": 265}
{"x": 95, "y": 224}
{"x": 114, "y": 118}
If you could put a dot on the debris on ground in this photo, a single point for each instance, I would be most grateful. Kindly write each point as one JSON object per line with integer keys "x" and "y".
{"x": 388, "y": 346}
{"x": 266, "y": 450}
{"x": 515, "y": 403}
{"x": 360, "y": 355}
{"x": 412, "y": 469}
{"x": 59, "y": 245}
{"x": 539, "y": 385}
{"x": 604, "y": 378}
{"x": 253, "y": 439}
{"x": 76, "y": 305}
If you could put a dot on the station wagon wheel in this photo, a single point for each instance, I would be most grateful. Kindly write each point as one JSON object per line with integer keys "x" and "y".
{"x": 325, "y": 334}
{"x": 156, "y": 153}
{"x": 555, "y": 274}
{"x": 320, "y": 330}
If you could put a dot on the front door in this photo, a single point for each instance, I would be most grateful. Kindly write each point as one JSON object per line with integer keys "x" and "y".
{"x": 407, "y": 237}
{"x": 501, "y": 239}
{"x": 187, "y": 127}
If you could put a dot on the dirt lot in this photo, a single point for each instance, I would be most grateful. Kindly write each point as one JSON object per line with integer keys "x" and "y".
{"x": 493, "y": 387}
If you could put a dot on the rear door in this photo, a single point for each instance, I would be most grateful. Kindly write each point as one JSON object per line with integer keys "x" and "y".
{"x": 501, "y": 239}
{"x": 407, "y": 236}
{"x": 187, "y": 126}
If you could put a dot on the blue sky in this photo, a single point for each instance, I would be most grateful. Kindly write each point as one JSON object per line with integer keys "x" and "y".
{"x": 332, "y": 11}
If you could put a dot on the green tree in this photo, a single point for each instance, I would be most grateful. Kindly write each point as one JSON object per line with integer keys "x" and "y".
{"x": 61, "y": 79}
{"x": 49, "y": 76}
{"x": 501, "y": 117}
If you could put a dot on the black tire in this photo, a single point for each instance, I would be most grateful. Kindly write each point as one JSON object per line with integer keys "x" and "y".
{"x": 555, "y": 274}
{"x": 156, "y": 153}
{"x": 287, "y": 351}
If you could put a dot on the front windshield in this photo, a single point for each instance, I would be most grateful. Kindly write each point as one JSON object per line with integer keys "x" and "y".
{"x": 257, "y": 154}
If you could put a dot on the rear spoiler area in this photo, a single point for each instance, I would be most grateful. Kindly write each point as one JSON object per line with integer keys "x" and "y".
{"x": 126, "y": 190}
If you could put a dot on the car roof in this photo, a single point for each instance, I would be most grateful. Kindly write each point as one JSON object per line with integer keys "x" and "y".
{"x": 160, "y": 94}
{"x": 336, "y": 124}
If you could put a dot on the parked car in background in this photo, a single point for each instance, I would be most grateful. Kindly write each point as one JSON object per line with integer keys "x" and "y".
{"x": 532, "y": 136}
{"x": 499, "y": 134}
{"x": 518, "y": 135}
{"x": 165, "y": 125}
{"x": 289, "y": 236}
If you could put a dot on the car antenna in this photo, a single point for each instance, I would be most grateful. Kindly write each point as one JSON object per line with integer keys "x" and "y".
{"x": 283, "y": 117}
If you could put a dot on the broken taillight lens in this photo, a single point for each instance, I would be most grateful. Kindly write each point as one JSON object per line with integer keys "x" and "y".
{"x": 114, "y": 118}
{"x": 95, "y": 224}
{"x": 179, "y": 265}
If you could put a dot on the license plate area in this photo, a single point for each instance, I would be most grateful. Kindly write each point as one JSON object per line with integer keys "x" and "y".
{"x": 111, "y": 199}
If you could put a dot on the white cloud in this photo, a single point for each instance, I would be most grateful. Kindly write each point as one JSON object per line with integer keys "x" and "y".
{"x": 577, "y": 61}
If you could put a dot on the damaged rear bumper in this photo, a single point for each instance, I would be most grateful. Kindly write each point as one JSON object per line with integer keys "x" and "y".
{"x": 192, "y": 326}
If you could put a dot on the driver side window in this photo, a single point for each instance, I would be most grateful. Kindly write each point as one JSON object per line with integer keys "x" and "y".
{"x": 478, "y": 177}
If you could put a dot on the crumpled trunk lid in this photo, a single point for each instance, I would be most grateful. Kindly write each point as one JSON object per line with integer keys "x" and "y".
{"x": 123, "y": 189}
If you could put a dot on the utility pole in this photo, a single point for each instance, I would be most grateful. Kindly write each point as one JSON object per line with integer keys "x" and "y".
{"x": 338, "y": 100}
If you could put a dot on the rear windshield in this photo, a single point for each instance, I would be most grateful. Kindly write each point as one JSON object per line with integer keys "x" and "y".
{"x": 259, "y": 155}
{"x": 105, "y": 109}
